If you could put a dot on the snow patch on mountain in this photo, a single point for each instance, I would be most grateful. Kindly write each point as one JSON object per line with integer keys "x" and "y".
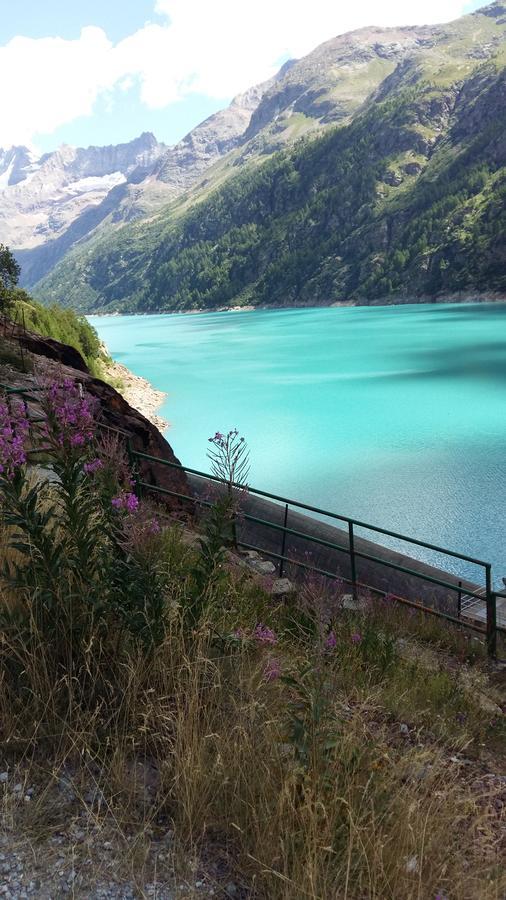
{"x": 96, "y": 183}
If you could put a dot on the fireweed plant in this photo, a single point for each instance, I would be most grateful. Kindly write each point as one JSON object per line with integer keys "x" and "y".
{"x": 14, "y": 430}
{"x": 273, "y": 728}
{"x": 230, "y": 462}
{"x": 69, "y": 522}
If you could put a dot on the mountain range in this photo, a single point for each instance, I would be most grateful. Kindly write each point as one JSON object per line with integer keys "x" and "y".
{"x": 371, "y": 170}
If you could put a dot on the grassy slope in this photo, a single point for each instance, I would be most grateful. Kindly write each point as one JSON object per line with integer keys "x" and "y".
{"x": 61, "y": 324}
{"x": 368, "y": 770}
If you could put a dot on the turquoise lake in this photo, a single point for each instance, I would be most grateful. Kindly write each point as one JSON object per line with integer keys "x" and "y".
{"x": 394, "y": 415}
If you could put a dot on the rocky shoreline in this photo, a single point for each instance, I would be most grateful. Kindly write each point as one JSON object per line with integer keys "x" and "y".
{"x": 464, "y": 297}
{"x": 139, "y": 393}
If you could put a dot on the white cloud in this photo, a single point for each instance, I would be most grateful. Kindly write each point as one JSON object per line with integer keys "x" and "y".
{"x": 214, "y": 47}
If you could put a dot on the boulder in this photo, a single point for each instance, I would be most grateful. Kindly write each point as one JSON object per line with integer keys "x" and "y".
{"x": 261, "y": 566}
{"x": 282, "y": 587}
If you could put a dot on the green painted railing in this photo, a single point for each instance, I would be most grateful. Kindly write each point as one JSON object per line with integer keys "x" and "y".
{"x": 487, "y": 594}
{"x": 491, "y": 629}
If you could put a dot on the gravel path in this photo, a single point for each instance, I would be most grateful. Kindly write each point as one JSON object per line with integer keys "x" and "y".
{"x": 60, "y": 840}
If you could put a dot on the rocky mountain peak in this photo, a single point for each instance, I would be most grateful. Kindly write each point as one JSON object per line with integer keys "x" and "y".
{"x": 49, "y": 206}
{"x": 14, "y": 163}
{"x": 41, "y": 197}
{"x": 494, "y": 10}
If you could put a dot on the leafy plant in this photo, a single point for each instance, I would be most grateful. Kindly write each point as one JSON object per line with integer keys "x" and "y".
{"x": 311, "y": 726}
{"x": 208, "y": 572}
{"x": 229, "y": 456}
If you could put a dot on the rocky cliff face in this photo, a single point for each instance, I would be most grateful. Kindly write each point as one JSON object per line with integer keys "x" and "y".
{"x": 52, "y": 201}
{"x": 181, "y": 166}
{"x": 51, "y": 358}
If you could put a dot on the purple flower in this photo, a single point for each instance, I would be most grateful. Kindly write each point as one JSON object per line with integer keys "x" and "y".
{"x": 356, "y": 638}
{"x": 128, "y": 502}
{"x": 264, "y": 635}
{"x": 154, "y": 526}
{"x": 272, "y": 669}
{"x": 91, "y": 467}
{"x": 131, "y": 502}
{"x": 330, "y": 641}
{"x": 14, "y": 431}
{"x": 70, "y": 414}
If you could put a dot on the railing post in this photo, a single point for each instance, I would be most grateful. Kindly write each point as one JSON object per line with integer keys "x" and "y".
{"x": 20, "y": 339}
{"x": 283, "y": 543}
{"x": 491, "y": 615}
{"x": 133, "y": 468}
{"x": 459, "y": 600}
{"x": 353, "y": 563}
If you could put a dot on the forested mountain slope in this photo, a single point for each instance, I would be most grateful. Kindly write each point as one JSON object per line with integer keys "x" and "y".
{"x": 404, "y": 198}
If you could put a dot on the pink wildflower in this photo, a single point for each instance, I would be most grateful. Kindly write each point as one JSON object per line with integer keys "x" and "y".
{"x": 129, "y": 502}
{"x": 356, "y": 638}
{"x": 265, "y": 635}
{"x": 272, "y": 669}
{"x": 70, "y": 413}
{"x": 14, "y": 430}
{"x": 91, "y": 467}
{"x": 330, "y": 641}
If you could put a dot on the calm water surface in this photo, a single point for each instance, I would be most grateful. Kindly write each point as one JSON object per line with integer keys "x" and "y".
{"x": 395, "y": 415}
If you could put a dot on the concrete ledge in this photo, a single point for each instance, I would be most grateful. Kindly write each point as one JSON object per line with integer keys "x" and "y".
{"x": 375, "y": 574}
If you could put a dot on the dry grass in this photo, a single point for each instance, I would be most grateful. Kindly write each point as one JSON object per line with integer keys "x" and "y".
{"x": 192, "y": 740}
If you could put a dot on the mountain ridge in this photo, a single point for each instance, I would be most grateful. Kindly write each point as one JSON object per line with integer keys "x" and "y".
{"x": 377, "y": 121}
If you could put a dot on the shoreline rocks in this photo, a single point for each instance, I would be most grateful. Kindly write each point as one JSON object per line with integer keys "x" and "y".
{"x": 139, "y": 393}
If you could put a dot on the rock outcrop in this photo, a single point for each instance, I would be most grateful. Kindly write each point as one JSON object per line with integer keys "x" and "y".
{"x": 48, "y": 203}
{"x": 53, "y": 359}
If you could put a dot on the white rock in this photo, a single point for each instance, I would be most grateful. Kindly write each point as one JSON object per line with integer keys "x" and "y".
{"x": 262, "y": 566}
{"x": 349, "y": 602}
{"x": 282, "y": 587}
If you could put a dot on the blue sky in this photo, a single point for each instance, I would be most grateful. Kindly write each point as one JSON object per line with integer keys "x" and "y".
{"x": 103, "y": 71}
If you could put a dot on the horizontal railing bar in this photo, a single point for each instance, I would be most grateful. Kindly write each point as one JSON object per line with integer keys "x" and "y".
{"x": 161, "y": 490}
{"x": 323, "y": 543}
{"x": 324, "y": 512}
{"x": 113, "y": 428}
{"x": 434, "y": 612}
{"x": 406, "y": 571}
{"x": 20, "y": 390}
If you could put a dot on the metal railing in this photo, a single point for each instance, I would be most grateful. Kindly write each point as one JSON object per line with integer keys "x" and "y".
{"x": 466, "y": 594}
{"x": 485, "y": 594}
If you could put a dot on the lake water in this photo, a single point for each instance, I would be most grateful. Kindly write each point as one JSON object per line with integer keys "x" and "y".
{"x": 393, "y": 415}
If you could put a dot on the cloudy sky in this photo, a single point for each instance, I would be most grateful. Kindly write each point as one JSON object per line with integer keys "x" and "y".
{"x": 102, "y": 71}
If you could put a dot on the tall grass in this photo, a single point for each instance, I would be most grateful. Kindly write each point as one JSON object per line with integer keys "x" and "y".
{"x": 294, "y": 747}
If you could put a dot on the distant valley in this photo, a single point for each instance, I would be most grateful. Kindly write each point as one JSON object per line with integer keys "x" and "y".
{"x": 372, "y": 170}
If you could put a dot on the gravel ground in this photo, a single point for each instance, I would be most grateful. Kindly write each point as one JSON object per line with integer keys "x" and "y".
{"x": 63, "y": 841}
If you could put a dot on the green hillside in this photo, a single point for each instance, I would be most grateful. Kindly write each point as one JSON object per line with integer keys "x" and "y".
{"x": 403, "y": 200}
